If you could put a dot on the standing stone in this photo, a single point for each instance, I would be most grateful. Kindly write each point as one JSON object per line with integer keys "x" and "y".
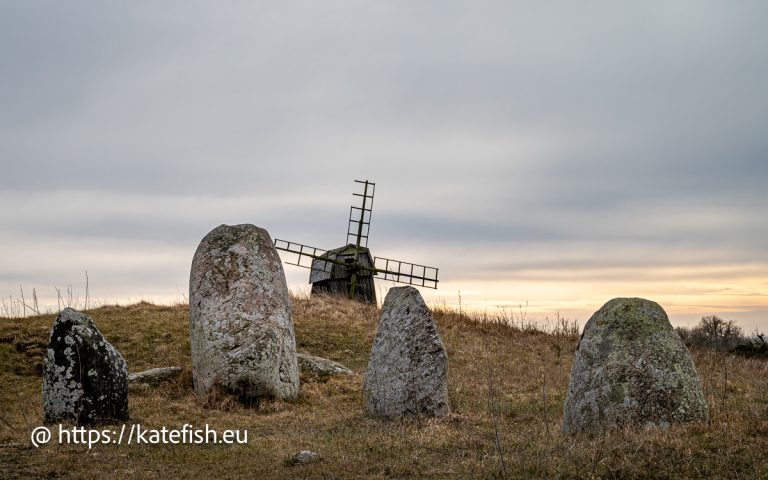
{"x": 407, "y": 372}
{"x": 241, "y": 332}
{"x": 631, "y": 368}
{"x": 85, "y": 378}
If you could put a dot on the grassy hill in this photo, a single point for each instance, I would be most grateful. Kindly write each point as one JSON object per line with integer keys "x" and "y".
{"x": 507, "y": 386}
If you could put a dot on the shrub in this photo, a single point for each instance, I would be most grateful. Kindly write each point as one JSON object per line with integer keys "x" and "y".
{"x": 756, "y": 348}
{"x": 713, "y": 332}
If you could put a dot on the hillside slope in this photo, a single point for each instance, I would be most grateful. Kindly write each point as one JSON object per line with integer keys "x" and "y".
{"x": 507, "y": 387}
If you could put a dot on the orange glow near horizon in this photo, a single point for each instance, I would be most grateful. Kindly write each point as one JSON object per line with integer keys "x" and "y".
{"x": 686, "y": 294}
{"x": 734, "y": 292}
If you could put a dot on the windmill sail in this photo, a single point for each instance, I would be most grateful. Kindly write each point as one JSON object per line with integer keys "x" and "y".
{"x": 305, "y": 256}
{"x": 404, "y": 272}
{"x": 360, "y": 217}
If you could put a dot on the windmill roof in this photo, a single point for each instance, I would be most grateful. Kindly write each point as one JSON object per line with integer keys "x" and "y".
{"x": 322, "y": 270}
{"x": 348, "y": 249}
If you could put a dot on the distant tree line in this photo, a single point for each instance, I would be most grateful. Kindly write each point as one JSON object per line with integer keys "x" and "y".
{"x": 724, "y": 335}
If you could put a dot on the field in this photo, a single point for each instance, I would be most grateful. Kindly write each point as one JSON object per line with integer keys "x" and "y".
{"x": 507, "y": 383}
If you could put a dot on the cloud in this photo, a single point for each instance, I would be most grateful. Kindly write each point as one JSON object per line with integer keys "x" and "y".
{"x": 504, "y": 137}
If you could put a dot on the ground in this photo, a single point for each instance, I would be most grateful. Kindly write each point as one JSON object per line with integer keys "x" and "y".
{"x": 507, "y": 383}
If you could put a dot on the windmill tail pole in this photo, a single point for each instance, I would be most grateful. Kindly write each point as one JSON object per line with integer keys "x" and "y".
{"x": 353, "y": 286}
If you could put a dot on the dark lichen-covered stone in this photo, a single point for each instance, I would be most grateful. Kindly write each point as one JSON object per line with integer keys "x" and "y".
{"x": 631, "y": 368}
{"x": 85, "y": 378}
{"x": 407, "y": 373}
{"x": 241, "y": 331}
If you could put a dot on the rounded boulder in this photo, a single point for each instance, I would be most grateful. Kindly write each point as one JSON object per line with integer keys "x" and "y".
{"x": 631, "y": 368}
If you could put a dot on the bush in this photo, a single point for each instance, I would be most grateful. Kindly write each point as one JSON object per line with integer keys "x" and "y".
{"x": 713, "y": 332}
{"x": 752, "y": 350}
{"x": 756, "y": 348}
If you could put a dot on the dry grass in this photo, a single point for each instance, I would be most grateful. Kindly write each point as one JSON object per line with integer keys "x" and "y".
{"x": 524, "y": 366}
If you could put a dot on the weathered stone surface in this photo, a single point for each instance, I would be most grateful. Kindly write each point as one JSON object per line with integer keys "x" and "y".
{"x": 321, "y": 367}
{"x": 407, "y": 372}
{"x": 631, "y": 368}
{"x": 85, "y": 378}
{"x": 241, "y": 331}
{"x": 154, "y": 376}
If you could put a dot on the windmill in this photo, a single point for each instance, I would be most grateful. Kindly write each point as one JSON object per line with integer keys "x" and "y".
{"x": 350, "y": 269}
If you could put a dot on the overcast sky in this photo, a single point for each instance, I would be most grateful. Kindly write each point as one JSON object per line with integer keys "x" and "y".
{"x": 554, "y": 153}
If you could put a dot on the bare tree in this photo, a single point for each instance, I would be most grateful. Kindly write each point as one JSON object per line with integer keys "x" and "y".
{"x": 714, "y": 332}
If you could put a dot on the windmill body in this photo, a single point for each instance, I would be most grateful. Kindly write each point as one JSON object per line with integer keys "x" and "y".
{"x": 350, "y": 269}
{"x": 334, "y": 278}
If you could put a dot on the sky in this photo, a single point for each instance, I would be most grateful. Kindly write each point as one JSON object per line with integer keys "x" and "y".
{"x": 546, "y": 156}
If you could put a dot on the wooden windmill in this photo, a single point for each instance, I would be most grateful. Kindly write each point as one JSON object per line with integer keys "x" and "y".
{"x": 350, "y": 269}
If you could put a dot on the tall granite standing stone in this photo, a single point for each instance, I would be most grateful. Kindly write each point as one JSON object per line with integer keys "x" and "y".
{"x": 631, "y": 368}
{"x": 241, "y": 331}
{"x": 407, "y": 372}
{"x": 85, "y": 378}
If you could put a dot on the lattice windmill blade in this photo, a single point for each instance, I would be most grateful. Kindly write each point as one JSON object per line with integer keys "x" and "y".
{"x": 404, "y": 272}
{"x": 360, "y": 217}
{"x": 308, "y": 257}
{"x": 359, "y": 226}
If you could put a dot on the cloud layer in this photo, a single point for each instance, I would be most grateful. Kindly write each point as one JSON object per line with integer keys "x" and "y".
{"x": 574, "y": 150}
